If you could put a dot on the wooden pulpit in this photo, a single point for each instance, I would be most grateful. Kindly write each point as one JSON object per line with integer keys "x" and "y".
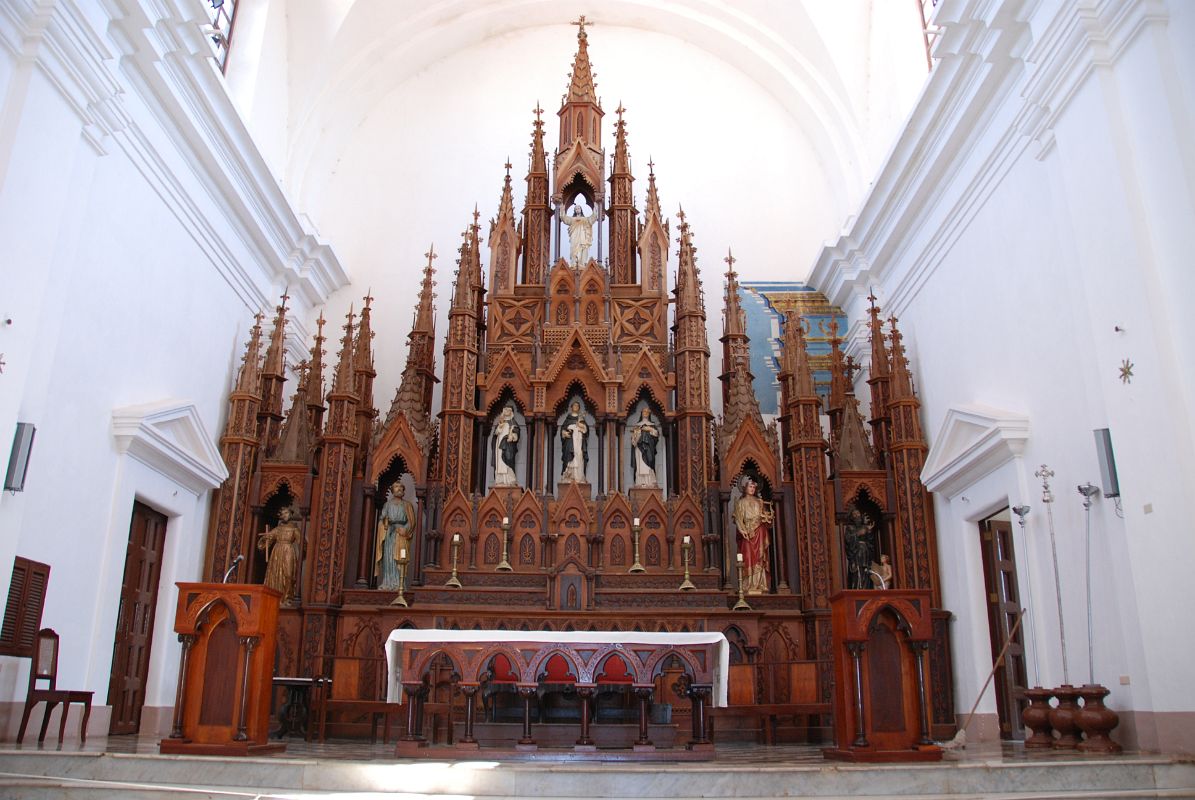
{"x": 222, "y": 704}
{"x": 881, "y": 679}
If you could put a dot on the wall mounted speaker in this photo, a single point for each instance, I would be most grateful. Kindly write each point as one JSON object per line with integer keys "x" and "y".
{"x": 18, "y": 460}
{"x": 1103, "y": 451}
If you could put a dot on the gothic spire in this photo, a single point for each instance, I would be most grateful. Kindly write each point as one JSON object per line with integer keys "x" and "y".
{"x": 734, "y": 321}
{"x": 879, "y": 353}
{"x": 294, "y": 443}
{"x": 622, "y": 156}
{"x": 506, "y": 206}
{"x": 902, "y": 380}
{"x": 797, "y": 356}
{"x": 539, "y": 156}
{"x": 315, "y": 374}
{"x": 249, "y": 378}
{"x": 738, "y": 391}
{"x": 688, "y": 283}
{"x": 581, "y": 87}
{"x": 363, "y": 347}
{"x": 652, "y": 210}
{"x": 425, "y": 310}
{"x": 275, "y": 358}
{"x": 344, "y": 379}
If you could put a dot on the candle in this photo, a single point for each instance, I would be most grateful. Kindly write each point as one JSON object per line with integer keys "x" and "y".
{"x": 686, "y": 538}
{"x": 456, "y": 539}
{"x": 506, "y": 520}
{"x": 636, "y": 522}
{"x": 402, "y": 553}
{"x": 738, "y": 557}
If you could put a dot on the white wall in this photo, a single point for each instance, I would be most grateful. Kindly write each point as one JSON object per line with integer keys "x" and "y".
{"x": 139, "y": 247}
{"x": 1040, "y": 199}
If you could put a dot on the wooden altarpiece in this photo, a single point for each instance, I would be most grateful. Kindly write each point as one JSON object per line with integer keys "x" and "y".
{"x": 222, "y": 703}
{"x": 881, "y": 682}
{"x": 541, "y": 329}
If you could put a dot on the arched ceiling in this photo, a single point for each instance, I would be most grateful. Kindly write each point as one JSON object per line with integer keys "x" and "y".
{"x": 364, "y": 48}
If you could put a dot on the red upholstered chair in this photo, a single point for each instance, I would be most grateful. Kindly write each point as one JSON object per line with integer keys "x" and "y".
{"x": 45, "y": 668}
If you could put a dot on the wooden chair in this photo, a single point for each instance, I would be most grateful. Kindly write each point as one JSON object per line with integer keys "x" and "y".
{"x": 45, "y": 668}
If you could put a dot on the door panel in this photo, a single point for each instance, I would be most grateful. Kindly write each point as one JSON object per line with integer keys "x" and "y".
{"x": 1003, "y": 604}
{"x": 135, "y": 619}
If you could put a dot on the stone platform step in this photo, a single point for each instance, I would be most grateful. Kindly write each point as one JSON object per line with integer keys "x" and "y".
{"x": 92, "y": 776}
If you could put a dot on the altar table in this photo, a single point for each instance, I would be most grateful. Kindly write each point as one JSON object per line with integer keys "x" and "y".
{"x": 410, "y": 652}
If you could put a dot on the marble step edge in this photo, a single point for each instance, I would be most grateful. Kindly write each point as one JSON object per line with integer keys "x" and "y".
{"x": 544, "y": 780}
{"x": 36, "y": 789}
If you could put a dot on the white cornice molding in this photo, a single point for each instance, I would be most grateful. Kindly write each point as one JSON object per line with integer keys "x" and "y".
{"x": 972, "y": 442}
{"x": 992, "y": 82}
{"x": 147, "y": 82}
{"x": 55, "y": 36}
{"x": 169, "y": 437}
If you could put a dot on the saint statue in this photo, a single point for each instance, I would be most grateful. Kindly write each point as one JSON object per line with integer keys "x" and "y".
{"x": 645, "y": 435}
{"x": 752, "y": 520}
{"x": 395, "y": 525}
{"x": 281, "y": 545}
{"x": 857, "y": 541}
{"x": 574, "y": 441}
{"x": 580, "y": 235}
{"x": 881, "y": 573}
{"x": 505, "y": 448}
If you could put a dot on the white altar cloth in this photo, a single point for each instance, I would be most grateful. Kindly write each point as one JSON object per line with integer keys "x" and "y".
{"x": 399, "y": 636}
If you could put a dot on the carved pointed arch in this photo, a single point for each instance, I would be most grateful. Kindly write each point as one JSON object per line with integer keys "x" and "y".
{"x": 398, "y": 441}
{"x": 575, "y": 363}
{"x": 457, "y": 518}
{"x": 489, "y": 520}
{"x": 654, "y": 245}
{"x": 571, "y": 513}
{"x": 653, "y": 522}
{"x": 642, "y": 376}
{"x": 750, "y": 443}
{"x": 508, "y": 380}
{"x": 579, "y": 163}
{"x": 527, "y": 514}
{"x": 687, "y": 517}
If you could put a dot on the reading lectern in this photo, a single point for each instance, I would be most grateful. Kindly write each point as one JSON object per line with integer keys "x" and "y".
{"x": 222, "y": 704}
{"x": 881, "y": 683}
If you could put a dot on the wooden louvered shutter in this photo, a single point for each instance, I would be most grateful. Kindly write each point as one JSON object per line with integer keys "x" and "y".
{"x": 22, "y": 614}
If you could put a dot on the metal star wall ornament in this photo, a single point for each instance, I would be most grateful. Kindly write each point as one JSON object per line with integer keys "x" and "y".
{"x": 1126, "y": 371}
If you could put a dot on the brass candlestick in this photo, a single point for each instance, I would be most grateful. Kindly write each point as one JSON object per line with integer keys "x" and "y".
{"x": 686, "y": 547}
{"x": 504, "y": 565}
{"x": 402, "y": 583}
{"x": 742, "y": 604}
{"x": 454, "y": 581}
{"x": 636, "y": 567}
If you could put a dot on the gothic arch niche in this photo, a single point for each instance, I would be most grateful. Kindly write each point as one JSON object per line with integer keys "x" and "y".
{"x": 863, "y": 537}
{"x": 282, "y": 497}
{"x": 395, "y": 472}
{"x": 751, "y": 470}
{"x": 645, "y": 401}
{"x": 576, "y": 406}
{"x": 494, "y": 420}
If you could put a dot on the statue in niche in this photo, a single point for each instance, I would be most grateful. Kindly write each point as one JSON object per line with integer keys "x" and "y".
{"x": 281, "y": 545}
{"x": 881, "y": 573}
{"x": 574, "y": 444}
{"x": 858, "y": 535}
{"x": 753, "y": 518}
{"x": 580, "y": 235}
{"x": 395, "y": 525}
{"x": 505, "y": 448}
{"x": 645, "y": 436}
